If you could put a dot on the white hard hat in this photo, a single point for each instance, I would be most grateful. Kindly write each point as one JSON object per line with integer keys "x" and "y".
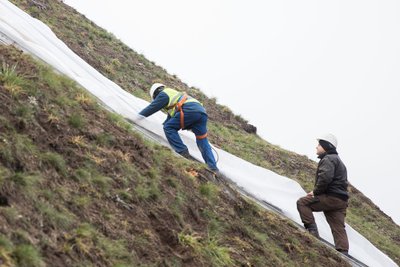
{"x": 154, "y": 87}
{"x": 328, "y": 138}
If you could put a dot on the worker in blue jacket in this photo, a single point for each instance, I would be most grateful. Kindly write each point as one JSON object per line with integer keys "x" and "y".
{"x": 184, "y": 112}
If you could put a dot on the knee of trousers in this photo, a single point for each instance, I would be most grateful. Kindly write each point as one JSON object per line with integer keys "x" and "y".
{"x": 168, "y": 129}
{"x": 299, "y": 203}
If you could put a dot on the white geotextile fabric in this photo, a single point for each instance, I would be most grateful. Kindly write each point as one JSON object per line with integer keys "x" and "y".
{"x": 37, "y": 39}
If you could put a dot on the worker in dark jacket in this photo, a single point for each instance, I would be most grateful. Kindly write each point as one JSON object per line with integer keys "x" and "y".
{"x": 329, "y": 194}
{"x": 184, "y": 112}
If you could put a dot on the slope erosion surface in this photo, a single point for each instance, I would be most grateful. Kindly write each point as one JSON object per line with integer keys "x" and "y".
{"x": 133, "y": 72}
{"x": 79, "y": 188}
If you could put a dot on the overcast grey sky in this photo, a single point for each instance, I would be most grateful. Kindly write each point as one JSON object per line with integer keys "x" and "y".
{"x": 295, "y": 69}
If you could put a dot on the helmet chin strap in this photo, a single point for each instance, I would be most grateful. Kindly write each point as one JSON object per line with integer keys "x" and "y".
{"x": 157, "y": 91}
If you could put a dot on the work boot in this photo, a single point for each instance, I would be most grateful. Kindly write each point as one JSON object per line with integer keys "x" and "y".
{"x": 187, "y": 155}
{"x": 220, "y": 175}
{"x": 312, "y": 229}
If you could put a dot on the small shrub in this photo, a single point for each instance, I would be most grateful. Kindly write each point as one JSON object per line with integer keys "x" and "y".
{"x": 148, "y": 191}
{"x": 190, "y": 240}
{"x": 171, "y": 182}
{"x": 82, "y": 175}
{"x": 64, "y": 101}
{"x": 25, "y": 112}
{"x": 215, "y": 226}
{"x": 10, "y": 214}
{"x": 77, "y": 121}
{"x": 48, "y": 76}
{"x": 218, "y": 254}
{"x": 23, "y": 179}
{"x": 27, "y": 256}
{"x": 85, "y": 230}
{"x": 82, "y": 201}
{"x": 13, "y": 82}
{"x": 5, "y": 243}
{"x": 83, "y": 98}
{"x": 103, "y": 182}
{"x": 128, "y": 170}
{"x": 55, "y": 160}
{"x": 23, "y": 182}
{"x": 115, "y": 250}
{"x": 6, "y": 151}
{"x": 82, "y": 239}
{"x": 48, "y": 194}
{"x": 209, "y": 248}
{"x": 56, "y": 219}
{"x": 209, "y": 190}
{"x": 5, "y": 125}
{"x": 8, "y": 74}
{"x": 105, "y": 139}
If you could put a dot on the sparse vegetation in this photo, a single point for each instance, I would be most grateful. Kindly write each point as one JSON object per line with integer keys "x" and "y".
{"x": 76, "y": 121}
{"x": 51, "y": 130}
{"x": 209, "y": 190}
{"x": 13, "y": 82}
{"x": 56, "y": 161}
{"x": 104, "y": 196}
{"x": 27, "y": 256}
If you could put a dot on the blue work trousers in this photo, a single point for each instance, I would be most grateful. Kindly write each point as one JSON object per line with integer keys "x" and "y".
{"x": 197, "y": 122}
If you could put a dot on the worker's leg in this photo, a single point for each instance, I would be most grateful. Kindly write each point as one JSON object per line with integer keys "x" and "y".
{"x": 199, "y": 128}
{"x": 171, "y": 128}
{"x": 304, "y": 206}
{"x": 335, "y": 220}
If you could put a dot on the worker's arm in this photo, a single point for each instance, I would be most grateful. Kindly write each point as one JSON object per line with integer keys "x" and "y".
{"x": 325, "y": 174}
{"x": 160, "y": 102}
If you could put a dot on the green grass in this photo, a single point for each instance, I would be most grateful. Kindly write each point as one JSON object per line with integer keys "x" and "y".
{"x": 77, "y": 121}
{"x": 6, "y": 248}
{"x": 103, "y": 183}
{"x": 12, "y": 81}
{"x": 27, "y": 256}
{"x": 8, "y": 74}
{"x": 148, "y": 191}
{"x": 63, "y": 220}
{"x": 82, "y": 175}
{"x": 116, "y": 250}
{"x": 219, "y": 255}
{"x": 16, "y": 150}
{"x": 25, "y": 112}
{"x": 90, "y": 175}
{"x": 119, "y": 121}
{"x": 82, "y": 202}
{"x": 209, "y": 247}
{"x": 105, "y": 139}
{"x": 209, "y": 190}
{"x": 56, "y": 161}
{"x": 24, "y": 179}
{"x": 88, "y": 240}
{"x": 11, "y": 214}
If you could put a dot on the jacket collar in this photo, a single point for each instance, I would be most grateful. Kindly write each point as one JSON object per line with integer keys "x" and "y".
{"x": 329, "y": 152}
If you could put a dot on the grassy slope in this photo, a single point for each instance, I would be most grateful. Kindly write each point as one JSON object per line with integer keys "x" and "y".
{"x": 75, "y": 194}
{"x": 134, "y": 73}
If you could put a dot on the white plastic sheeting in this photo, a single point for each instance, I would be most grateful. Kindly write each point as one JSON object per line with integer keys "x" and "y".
{"x": 37, "y": 39}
